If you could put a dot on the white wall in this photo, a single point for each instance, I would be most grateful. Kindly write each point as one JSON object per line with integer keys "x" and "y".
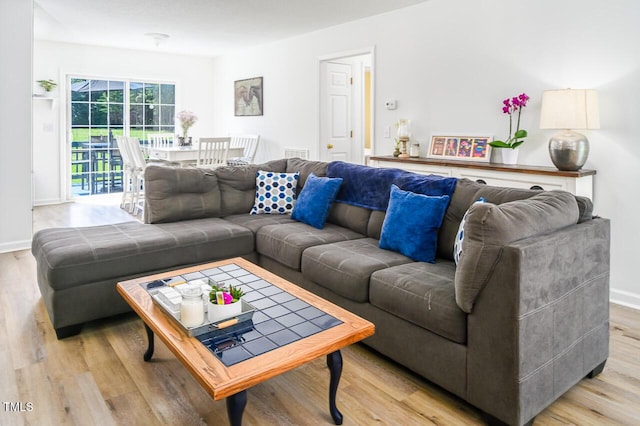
{"x": 449, "y": 63}
{"x": 192, "y": 75}
{"x": 16, "y": 19}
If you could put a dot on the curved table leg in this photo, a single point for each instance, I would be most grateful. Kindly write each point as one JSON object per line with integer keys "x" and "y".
{"x": 149, "y": 353}
{"x": 334, "y": 361}
{"x": 235, "y": 407}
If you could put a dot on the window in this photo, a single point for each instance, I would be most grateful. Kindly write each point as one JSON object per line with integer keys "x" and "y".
{"x": 98, "y": 111}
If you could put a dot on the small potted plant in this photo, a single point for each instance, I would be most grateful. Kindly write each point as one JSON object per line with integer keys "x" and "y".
{"x": 224, "y": 302}
{"x": 509, "y": 147}
{"x": 396, "y": 151}
{"x": 47, "y": 85}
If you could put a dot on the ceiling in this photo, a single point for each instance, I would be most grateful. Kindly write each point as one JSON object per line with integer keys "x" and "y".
{"x": 195, "y": 27}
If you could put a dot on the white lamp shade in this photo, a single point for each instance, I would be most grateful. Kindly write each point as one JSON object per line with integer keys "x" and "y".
{"x": 569, "y": 109}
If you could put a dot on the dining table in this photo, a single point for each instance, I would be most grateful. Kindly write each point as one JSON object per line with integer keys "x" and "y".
{"x": 184, "y": 155}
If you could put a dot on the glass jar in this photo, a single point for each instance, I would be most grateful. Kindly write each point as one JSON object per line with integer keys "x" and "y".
{"x": 415, "y": 150}
{"x": 191, "y": 308}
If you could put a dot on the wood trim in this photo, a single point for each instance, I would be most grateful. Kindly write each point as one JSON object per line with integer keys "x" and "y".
{"x": 517, "y": 168}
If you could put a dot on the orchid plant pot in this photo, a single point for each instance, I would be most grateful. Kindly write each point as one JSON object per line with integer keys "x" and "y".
{"x": 509, "y": 155}
{"x": 217, "y": 312}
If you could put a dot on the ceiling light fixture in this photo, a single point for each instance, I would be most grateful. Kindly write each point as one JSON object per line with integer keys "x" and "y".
{"x": 157, "y": 37}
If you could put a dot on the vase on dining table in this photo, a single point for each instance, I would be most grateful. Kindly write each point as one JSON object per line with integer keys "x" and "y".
{"x": 184, "y": 141}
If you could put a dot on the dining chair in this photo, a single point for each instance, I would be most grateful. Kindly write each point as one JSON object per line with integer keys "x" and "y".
{"x": 249, "y": 145}
{"x": 213, "y": 152}
{"x": 139, "y": 166}
{"x": 160, "y": 140}
{"x": 128, "y": 180}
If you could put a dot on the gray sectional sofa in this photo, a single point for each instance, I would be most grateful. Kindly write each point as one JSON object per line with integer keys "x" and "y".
{"x": 523, "y": 317}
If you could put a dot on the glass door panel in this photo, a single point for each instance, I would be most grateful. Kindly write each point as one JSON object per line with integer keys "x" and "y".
{"x": 98, "y": 111}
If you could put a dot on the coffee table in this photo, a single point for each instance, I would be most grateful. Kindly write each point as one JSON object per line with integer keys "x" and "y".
{"x": 289, "y": 328}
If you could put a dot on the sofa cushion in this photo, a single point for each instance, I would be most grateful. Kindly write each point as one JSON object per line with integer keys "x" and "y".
{"x": 285, "y": 243}
{"x": 490, "y": 227}
{"x": 75, "y": 256}
{"x": 238, "y": 185}
{"x": 465, "y": 194}
{"x": 314, "y": 202}
{"x": 275, "y": 192}
{"x": 305, "y": 168}
{"x": 411, "y": 224}
{"x": 422, "y": 293}
{"x": 352, "y": 217}
{"x": 256, "y": 221}
{"x": 346, "y": 266}
{"x": 174, "y": 194}
{"x": 374, "y": 227}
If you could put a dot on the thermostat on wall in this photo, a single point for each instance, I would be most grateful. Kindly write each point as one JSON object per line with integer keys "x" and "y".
{"x": 391, "y": 104}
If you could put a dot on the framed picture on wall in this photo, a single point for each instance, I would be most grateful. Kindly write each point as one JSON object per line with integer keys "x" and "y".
{"x": 248, "y": 97}
{"x": 466, "y": 148}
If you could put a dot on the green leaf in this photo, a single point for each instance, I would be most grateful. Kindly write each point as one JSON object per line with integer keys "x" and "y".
{"x": 516, "y": 144}
{"x": 499, "y": 144}
{"x": 520, "y": 134}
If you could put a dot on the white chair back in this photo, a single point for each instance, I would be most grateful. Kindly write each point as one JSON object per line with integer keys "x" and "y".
{"x": 249, "y": 145}
{"x": 137, "y": 155}
{"x": 123, "y": 147}
{"x": 213, "y": 152}
{"x": 160, "y": 140}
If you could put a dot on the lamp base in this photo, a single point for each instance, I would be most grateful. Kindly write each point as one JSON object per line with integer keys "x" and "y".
{"x": 569, "y": 150}
{"x": 403, "y": 149}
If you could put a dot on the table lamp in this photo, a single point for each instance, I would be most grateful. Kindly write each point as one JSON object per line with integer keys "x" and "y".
{"x": 569, "y": 109}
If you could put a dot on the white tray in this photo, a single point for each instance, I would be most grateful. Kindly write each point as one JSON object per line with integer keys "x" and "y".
{"x": 206, "y": 327}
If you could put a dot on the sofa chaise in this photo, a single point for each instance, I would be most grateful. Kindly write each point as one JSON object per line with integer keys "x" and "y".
{"x": 520, "y": 319}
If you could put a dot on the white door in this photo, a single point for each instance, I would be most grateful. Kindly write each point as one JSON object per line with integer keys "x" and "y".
{"x": 335, "y": 112}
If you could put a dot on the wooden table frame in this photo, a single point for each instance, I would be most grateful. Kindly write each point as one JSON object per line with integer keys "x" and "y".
{"x": 232, "y": 382}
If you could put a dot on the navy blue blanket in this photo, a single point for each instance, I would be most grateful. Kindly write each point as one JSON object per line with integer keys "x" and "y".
{"x": 370, "y": 187}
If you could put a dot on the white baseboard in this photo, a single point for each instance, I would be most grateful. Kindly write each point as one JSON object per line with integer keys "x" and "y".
{"x": 47, "y": 202}
{"x": 15, "y": 246}
{"x": 625, "y": 298}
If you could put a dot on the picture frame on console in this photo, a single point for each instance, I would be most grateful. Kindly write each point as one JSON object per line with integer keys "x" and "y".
{"x": 465, "y": 148}
{"x": 248, "y": 97}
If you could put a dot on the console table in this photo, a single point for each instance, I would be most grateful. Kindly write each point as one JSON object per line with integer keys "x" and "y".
{"x": 515, "y": 176}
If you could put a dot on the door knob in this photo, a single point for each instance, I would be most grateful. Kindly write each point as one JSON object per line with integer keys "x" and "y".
{"x": 329, "y": 146}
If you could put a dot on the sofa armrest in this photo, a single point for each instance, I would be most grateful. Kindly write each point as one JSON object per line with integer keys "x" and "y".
{"x": 541, "y": 323}
{"x": 173, "y": 194}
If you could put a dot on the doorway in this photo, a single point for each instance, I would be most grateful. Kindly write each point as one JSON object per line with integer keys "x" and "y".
{"x": 346, "y": 107}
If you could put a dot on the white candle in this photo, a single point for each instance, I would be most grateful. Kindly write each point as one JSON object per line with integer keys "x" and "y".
{"x": 191, "y": 308}
{"x": 191, "y": 311}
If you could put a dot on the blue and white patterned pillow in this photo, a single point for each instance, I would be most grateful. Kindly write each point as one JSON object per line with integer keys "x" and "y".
{"x": 275, "y": 192}
{"x": 457, "y": 245}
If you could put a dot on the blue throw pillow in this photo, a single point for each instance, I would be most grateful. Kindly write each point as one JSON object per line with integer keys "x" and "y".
{"x": 411, "y": 224}
{"x": 314, "y": 202}
{"x": 457, "y": 244}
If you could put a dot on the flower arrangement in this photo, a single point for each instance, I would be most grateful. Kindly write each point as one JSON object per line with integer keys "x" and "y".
{"x": 187, "y": 119}
{"x": 510, "y": 106}
{"x": 221, "y": 295}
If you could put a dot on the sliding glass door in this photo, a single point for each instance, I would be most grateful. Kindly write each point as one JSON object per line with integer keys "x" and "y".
{"x": 99, "y": 110}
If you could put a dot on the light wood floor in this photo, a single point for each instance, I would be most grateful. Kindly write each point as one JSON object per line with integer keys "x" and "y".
{"x": 99, "y": 377}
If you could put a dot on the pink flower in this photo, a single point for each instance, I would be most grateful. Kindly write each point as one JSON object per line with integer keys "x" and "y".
{"x": 227, "y": 298}
{"x": 187, "y": 119}
{"x": 510, "y": 106}
{"x": 523, "y": 99}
